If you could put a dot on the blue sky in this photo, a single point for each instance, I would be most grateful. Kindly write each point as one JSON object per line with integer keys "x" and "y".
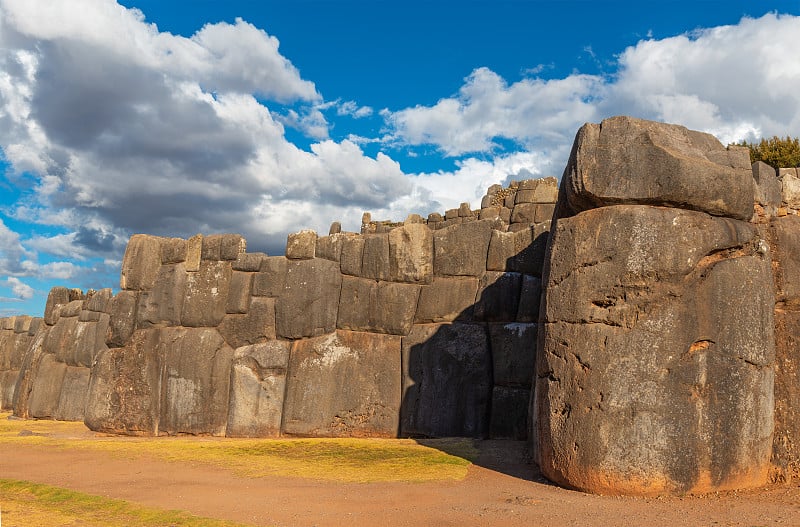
{"x": 265, "y": 117}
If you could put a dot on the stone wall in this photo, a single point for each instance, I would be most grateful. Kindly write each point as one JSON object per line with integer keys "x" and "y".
{"x": 421, "y": 328}
{"x": 16, "y": 335}
{"x": 656, "y": 366}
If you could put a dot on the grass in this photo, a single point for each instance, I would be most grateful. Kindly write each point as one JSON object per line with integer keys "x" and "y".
{"x": 32, "y": 504}
{"x": 341, "y": 460}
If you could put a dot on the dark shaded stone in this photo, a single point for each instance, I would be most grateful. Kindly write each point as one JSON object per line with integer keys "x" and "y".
{"x": 509, "y": 413}
{"x": 498, "y": 297}
{"x": 513, "y": 353}
{"x": 447, "y": 381}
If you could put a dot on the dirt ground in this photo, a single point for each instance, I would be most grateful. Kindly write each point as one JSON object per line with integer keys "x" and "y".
{"x": 500, "y": 490}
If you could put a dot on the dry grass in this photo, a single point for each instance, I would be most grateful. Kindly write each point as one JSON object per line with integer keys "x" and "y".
{"x": 30, "y": 504}
{"x": 345, "y": 460}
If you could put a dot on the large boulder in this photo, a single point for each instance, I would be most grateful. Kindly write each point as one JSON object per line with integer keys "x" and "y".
{"x": 344, "y": 384}
{"x": 258, "y": 384}
{"x": 308, "y": 304}
{"x": 447, "y": 381}
{"x": 631, "y": 161}
{"x": 655, "y": 373}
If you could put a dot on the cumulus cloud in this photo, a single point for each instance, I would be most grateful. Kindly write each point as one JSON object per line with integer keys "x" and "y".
{"x": 736, "y": 82}
{"x": 130, "y": 129}
{"x": 530, "y": 112}
{"x": 20, "y": 289}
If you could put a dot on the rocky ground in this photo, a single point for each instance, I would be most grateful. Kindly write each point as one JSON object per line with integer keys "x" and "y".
{"x": 501, "y": 489}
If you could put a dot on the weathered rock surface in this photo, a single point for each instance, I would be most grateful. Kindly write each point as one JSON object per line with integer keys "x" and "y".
{"x": 258, "y": 384}
{"x": 309, "y": 303}
{"x": 462, "y": 250}
{"x": 655, "y": 374}
{"x": 447, "y": 381}
{"x": 630, "y": 161}
{"x": 345, "y": 384}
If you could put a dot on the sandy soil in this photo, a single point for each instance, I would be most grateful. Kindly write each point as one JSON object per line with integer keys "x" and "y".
{"x": 500, "y": 490}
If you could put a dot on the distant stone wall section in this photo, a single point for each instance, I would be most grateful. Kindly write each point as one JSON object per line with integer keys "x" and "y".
{"x": 421, "y": 328}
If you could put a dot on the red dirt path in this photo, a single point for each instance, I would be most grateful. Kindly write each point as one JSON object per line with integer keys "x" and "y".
{"x": 498, "y": 493}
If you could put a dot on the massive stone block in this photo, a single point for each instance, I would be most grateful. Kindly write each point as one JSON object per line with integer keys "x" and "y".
{"x": 73, "y": 395}
{"x": 163, "y": 304}
{"x": 655, "y": 373}
{"x": 498, "y": 297}
{"x": 123, "y": 318}
{"x": 344, "y": 384}
{"x": 206, "y": 295}
{"x": 58, "y": 296}
{"x": 125, "y": 387}
{"x": 46, "y": 387}
{"x": 255, "y": 326}
{"x": 768, "y": 186}
{"x": 513, "y": 353}
{"x": 411, "y": 254}
{"x": 630, "y": 161}
{"x": 786, "y": 441}
{"x": 447, "y": 381}
{"x": 196, "y": 381}
{"x": 509, "y": 413}
{"x": 447, "y": 299}
{"x": 308, "y": 305}
{"x": 461, "y": 250}
{"x": 382, "y": 307}
{"x": 258, "y": 382}
{"x": 375, "y": 258}
{"x": 140, "y": 263}
{"x": 785, "y": 243}
{"x": 271, "y": 278}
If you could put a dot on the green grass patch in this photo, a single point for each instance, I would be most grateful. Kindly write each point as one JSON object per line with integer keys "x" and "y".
{"x": 28, "y": 504}
{"x": 344, "y": 460}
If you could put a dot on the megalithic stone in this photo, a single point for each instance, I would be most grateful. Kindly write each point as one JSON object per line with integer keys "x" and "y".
{"x": 655, "y": 366}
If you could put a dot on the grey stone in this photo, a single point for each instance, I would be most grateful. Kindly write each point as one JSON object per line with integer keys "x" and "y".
{"x": 46, "y": 388}
{"x": 411, "y": 254}
{"x": 785, "y": 245}
{"x": 344, "y": 384}
{"x": 163, "y": 304}
{"x": 785, "y": 443}
{"x": 239, "y": 292}
{"x": 258, "y": 384}
{"x": 435, "y": 217}
{"x": 651, "y": 361}
{"x": 498, "y": 297}
{"x": 125, "y": 387}
{"x": 462, "y": 250}
{"x": 352, "y": 255}
{"x": 502, "y": 250}
{"x": 173, "y": 250}
{"x": 509, "y": 413}
{"x": 123, "y": 318}
{"x": 375, "y": 259}
{"x": 100, "y": 301}
{"x": 196, "y": 382}
{"x": 140, "y": 263}
{"x": 301, "y": 245}
{"x": 330, "y": 247}
{"x": 513, "y": 353}
{"x": 632, "y": 161}
{"x": 336, "y": 228}
{"x": 248, "y": 262}
{"x": 257, "y": 325}
{"x": 447, "y": 381}
{"x": 790, "y": 189}
{"x": 768, "y": 186}
{"x": 272, "y": 277}
{"x": 447, "y": 299}
{"x": 206, "y": 295}
{"x": 194, "y": 253}
{"x": 74, "y": 391}
{"x": 211, "y": 247}
{"x": 308, "y": 305}
{"x": 231, "y": 246}
{"x": 382, "y": 307}
{"x": 529, "y": 299}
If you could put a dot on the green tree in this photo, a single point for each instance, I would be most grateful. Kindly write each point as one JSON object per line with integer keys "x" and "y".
{"x": 776, "y": 152}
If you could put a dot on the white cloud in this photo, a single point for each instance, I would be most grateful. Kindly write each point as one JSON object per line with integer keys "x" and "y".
{"x": 20, "y": 289}
{"x": 134, "y": 130}
{"x": 352, "y": 109}
{"x": 734, "y": 81}
{"x": 530, "y": 112}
